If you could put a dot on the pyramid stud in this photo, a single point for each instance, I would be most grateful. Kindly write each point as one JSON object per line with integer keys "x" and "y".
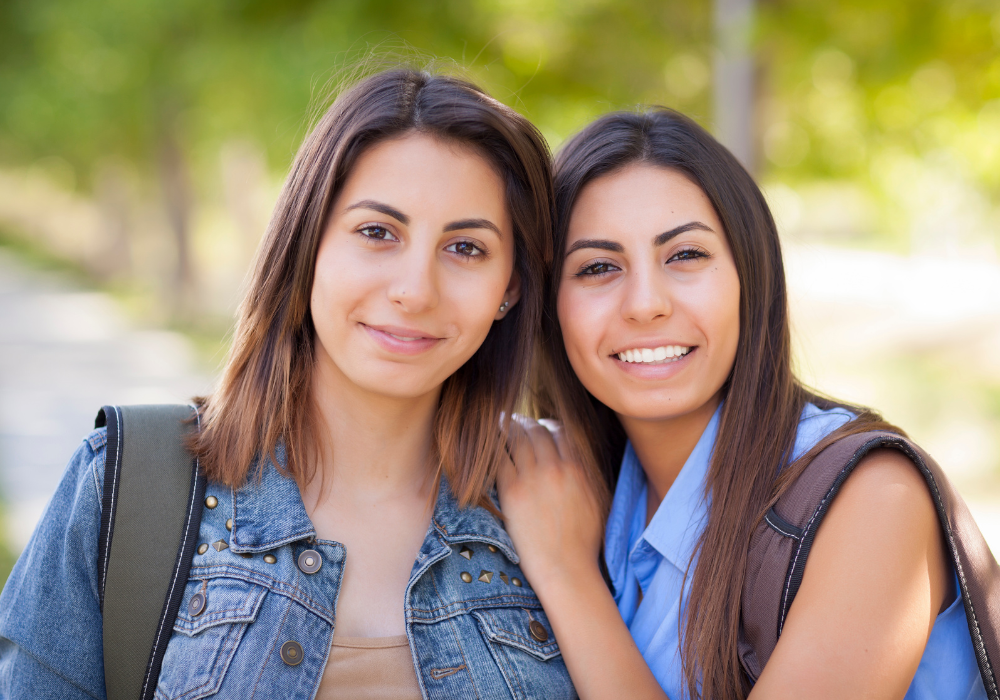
{"x": 485, "y": 576}
{"x": 465, "y": 552}
{"x": 505, "y": 578}
{"x": 220, "y": 545}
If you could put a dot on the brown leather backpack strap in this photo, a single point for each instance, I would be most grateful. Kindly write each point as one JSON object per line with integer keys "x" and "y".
{"x": 780, "y": 547}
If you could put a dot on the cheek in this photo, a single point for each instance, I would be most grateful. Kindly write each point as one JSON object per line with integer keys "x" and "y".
{"x": 581, "y": 322}
{"x": 724, "y": 312}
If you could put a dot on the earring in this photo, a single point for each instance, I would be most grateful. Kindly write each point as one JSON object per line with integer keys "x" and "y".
{"x": 503, "y": 306}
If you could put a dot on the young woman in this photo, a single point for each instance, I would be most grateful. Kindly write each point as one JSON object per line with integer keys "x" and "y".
{"x": 350, "y": 547}
{"x": 667, "y": 358}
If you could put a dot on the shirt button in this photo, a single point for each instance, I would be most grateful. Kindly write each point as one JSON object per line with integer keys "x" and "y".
{"x": 196, "y": 606}
{"x": 291, "y": 653}
{"x": 538, "y": 631}
{"x": 310, "y": 561}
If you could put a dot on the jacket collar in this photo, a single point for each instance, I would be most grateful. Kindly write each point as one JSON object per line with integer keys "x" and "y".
{"x": 474, "y": 523}
{"x": 267, "y": 510}
{"x": 268, "y": 513}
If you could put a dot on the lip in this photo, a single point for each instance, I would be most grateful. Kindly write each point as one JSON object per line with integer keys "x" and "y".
{"x": 391, "y": 339}
{"x": 663, "y": 371}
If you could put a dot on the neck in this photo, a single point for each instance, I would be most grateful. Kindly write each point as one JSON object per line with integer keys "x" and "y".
{"x": 372, "y": 446}
{"x": 663, "y": 446}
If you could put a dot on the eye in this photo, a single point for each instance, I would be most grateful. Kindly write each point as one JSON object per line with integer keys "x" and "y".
{"x": 688, "y": 254}
{"x": 596, "y": 269}
{"x": 376, "y": 233}
{"x": 465, "y": 248}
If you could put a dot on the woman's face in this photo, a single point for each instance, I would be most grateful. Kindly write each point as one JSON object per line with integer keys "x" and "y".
{"x": 649, "y": 295}
{"x": 415, "y": 261}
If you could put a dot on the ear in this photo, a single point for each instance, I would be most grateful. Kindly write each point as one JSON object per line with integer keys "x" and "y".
{"x": 511, "y": 296}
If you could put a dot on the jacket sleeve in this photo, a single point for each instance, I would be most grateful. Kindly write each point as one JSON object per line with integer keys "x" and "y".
{"x": 50, "y": 618}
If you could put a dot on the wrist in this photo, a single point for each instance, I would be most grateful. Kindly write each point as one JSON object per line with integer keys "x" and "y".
{"x": 556, "y": 577}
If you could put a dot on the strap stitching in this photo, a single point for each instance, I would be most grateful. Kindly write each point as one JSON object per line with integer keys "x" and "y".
{"x": 114, "y": 495}
{"x": 177, "y": 564}
{"x": 775, "y": 526}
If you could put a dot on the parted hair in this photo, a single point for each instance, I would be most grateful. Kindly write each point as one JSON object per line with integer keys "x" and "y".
{"x": 263, "y": 399}
{"x": 763, "y": 399}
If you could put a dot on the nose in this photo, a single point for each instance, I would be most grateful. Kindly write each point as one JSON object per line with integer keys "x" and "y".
{"x": 646, "y": 297}
{"x": 413, "y": 286}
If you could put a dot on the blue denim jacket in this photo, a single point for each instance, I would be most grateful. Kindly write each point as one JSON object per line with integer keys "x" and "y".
{"x": 469, "y": 611}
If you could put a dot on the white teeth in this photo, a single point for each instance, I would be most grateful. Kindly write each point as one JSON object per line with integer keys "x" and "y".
{"x": 663, "y": 353}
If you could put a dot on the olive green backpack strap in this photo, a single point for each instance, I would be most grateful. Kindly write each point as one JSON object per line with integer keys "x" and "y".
{"x": 150, "y": 515}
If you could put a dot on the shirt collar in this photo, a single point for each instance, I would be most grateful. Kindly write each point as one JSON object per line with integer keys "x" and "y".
{"x": 268, "y": 512}
{"x": 678, "y": 522}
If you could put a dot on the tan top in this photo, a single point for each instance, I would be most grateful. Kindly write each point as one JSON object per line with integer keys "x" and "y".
{"x": 369, "y": 668}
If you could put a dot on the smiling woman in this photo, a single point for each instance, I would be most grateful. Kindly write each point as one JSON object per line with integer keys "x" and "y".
{"x": 759, "y": 543}
{"x": 352, "y": 444}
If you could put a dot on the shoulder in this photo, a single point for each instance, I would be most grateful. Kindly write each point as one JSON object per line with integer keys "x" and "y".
{"x": 886, "y": 487}
{"x": 815, "y": 424}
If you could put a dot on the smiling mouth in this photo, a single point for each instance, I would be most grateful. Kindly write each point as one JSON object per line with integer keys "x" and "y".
{"x": 654, "y": 356}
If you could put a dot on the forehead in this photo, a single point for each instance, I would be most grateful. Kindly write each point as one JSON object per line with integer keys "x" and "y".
{"x": 427, "y": 169}
{"x": 641, "y": 199}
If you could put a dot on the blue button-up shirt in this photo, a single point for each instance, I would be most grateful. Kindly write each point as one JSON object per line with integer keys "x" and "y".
{"x": 654, "y": 558}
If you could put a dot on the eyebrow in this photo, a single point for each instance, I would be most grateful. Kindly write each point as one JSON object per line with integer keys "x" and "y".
{"x": 382, "y": 209}
{"x": 683, "y": 228}
{"x": 598, "y": 243}
{"x": 463, "y": 224}
{"x": 460, "y": 225}
{"x": 615, "y": 247}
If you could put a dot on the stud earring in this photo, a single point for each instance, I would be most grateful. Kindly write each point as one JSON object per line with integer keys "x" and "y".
{"x": 503, "y": 306}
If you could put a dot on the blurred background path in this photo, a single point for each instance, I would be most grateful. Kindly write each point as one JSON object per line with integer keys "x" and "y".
{"x": 65, "y": 352}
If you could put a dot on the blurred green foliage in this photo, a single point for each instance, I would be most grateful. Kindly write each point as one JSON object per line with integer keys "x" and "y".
{"x": 848, "y": 90}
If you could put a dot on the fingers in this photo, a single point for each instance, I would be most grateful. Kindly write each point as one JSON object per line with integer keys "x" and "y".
{"x": 558, "y": 433}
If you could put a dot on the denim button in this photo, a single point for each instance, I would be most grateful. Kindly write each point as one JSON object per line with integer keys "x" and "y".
{"x": 270, "y": 559}
{"x": 291, "y": 653}
{"x": 196, "y": 606}
{"x": 211, "y": 502}
{"x": 538, "y": 631}
{"x": 310, "y": 561}
{"x": 229, "y": 524}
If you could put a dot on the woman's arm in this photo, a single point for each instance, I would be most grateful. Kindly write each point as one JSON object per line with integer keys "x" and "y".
{"x": 51, "y": 642}
{"x": 554, "y": 521}
{"x": 876, "y": 578}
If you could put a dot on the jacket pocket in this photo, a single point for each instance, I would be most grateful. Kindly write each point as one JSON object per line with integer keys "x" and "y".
{"x": 524, "y": 647}
{"x": 213, "y": 617}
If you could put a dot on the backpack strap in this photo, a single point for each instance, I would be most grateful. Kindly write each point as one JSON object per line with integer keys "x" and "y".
{"x": 780, "y": 546}
{"x": 150, "y": 515}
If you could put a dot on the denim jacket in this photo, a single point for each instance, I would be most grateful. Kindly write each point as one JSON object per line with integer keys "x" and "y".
{"x": 254, "y": 623}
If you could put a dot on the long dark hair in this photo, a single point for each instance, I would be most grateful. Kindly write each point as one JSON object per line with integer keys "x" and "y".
{"x": 264, "y": 396}
{"x": 762, "y": 397}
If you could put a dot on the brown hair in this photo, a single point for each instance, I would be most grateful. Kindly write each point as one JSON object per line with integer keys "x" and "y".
{"x": 264, "y": 396}
{"x": 763, "y": 399}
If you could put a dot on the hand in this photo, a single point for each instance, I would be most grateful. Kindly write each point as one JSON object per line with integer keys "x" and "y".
{"x": 549, "y": 507}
